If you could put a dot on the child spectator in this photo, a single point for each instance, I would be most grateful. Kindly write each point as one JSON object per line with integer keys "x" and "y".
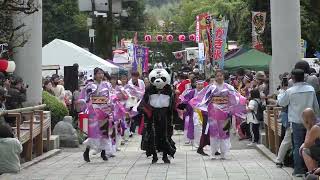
{"x": 252, "y": 115}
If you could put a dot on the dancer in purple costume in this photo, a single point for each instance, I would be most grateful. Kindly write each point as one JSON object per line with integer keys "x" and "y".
{"x": 95, "y": 101}
{"x": 191, "y": 127}
{"x": 221, "y": 101}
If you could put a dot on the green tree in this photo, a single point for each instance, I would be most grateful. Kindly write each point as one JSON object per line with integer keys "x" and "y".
{"x": 135, "y": 16}
{"x": 310, "y": 25}
{"x": 62, "y": 19}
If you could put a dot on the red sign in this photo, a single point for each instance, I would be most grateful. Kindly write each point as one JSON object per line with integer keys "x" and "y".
{"x": 218, "y": 44}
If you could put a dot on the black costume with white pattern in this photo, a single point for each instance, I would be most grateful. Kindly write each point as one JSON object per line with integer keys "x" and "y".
{"x": 159, "y": 130}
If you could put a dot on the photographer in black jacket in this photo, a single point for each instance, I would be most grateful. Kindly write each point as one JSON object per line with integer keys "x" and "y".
{"x": 17, "y": 93}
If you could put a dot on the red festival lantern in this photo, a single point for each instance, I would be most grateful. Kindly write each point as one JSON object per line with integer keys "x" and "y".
{"x": 192, "y": 37}
{"x": 147, "y": 38}
{"x": 169, "y": 38}
{"x": 182, "y": 38}
{"x": 159, "y": 38}
{"x": 7, "y": 66}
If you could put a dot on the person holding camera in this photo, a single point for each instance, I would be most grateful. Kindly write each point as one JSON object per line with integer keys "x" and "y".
{"x": 3, "y": 97}
{"x": 17, "y": 93}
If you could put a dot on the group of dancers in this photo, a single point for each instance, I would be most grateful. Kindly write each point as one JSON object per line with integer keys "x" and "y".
{"x": 109, "y": 107}
{"x": 207, "y": 111}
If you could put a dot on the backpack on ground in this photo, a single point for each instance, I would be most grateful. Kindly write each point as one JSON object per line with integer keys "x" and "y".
{"x": 259, "y": 114}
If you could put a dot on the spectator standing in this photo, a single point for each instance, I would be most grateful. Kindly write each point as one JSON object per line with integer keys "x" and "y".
{"x": 286, "y": 137}
{"x": 3, "y": 97}
{"x": 299, "y": 97}
{"x": 17, "y": 93}
{"x": 6, "y": 82}
{"x": 252, "y": 115}
{"x": 61, "y": 82}
{"x": 286, "y": 142}
{"x": 58, "y": 89}
{"x": 310, "y": 79}
{"x": 260, "y": 78}
{"x": 2, "y": 79}
{"x": 47, "y": 86}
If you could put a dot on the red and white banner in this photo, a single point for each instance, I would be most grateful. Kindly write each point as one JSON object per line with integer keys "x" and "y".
{"x": 83, "y": 122}
{"x": 258, "y": 26}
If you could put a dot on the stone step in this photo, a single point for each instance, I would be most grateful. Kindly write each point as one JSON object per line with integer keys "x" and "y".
{"x": 54, "y": 143}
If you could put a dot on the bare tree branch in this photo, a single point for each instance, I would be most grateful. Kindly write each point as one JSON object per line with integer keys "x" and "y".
{"x": 15, "y": 36}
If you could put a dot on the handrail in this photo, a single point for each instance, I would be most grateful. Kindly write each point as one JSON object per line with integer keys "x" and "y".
{"x": 20, "y": 110}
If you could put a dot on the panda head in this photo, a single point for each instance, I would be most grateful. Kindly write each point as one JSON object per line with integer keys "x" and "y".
{"x": 159, "y": 78}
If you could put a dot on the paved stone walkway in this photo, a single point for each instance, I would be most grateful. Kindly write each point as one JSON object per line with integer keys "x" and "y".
{"x": 131, "y": 164}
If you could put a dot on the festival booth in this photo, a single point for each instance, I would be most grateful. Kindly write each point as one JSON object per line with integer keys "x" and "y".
{"x": 64, "y": 53}
{"x": 252, "y": 59}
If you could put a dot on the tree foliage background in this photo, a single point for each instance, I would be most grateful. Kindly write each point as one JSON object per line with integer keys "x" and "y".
{"x": 183, "y": 13}
{"x": 62, "y": 20}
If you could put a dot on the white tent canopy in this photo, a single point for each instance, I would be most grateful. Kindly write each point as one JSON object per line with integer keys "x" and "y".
{"x": 64, "y": 53}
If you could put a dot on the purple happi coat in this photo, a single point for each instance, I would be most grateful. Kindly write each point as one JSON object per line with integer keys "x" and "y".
{"x": 100, "y": 115}
{"x": 119, "y": 96}
{"x": 219, "y": 114}
{"x": 185, "y": 98}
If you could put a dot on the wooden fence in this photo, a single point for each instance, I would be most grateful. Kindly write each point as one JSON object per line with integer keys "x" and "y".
{"x": 272, "y": 128}
{"x": 30, "y": 125}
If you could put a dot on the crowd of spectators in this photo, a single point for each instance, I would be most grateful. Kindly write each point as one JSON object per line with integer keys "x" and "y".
{"x": 12, "y": 93}
{"x": 298, "y": 96}
{"x": 12, "y": 96}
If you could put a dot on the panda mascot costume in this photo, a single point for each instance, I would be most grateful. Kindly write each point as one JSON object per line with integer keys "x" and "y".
{"x": 157, "y": 106}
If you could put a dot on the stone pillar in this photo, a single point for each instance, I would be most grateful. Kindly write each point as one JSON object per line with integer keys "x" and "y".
{"x": 286, "y": 35}
{"x": 29, "y": 58}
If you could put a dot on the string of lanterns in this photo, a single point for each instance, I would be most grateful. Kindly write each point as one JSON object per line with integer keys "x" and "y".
{"x": 169, "y": 38}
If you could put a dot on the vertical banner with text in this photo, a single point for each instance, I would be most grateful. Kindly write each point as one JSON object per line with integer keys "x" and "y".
{"x": 219, "y": 41}
{"x": 141, "y": 59}
{"x": 201, "y": 53}
{"x": 258, "y": 26}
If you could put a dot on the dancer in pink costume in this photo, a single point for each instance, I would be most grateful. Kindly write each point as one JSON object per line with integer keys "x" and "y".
{"x": 95, "y": 101}
{"x": 124, "y": 107}
{"x": 221, "y": 101}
